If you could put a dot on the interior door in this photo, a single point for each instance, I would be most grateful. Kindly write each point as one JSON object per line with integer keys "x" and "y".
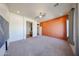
{"x": 28, "y": 29}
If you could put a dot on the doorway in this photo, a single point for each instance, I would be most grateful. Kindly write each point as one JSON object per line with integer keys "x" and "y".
{"x": 28, "y": 29}
{"x": 71, "y": 26}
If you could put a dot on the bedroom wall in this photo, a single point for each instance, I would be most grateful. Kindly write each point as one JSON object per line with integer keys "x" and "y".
{"x": 55, "y": 27}
{"x": 18, "y": 27}
{"x": 5, "y": 13}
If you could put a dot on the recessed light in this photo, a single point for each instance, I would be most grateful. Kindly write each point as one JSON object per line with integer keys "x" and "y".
{"x": 18, "y": 12}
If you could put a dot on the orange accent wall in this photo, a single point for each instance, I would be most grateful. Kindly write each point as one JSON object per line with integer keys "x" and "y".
{"x": 55, "y": 28}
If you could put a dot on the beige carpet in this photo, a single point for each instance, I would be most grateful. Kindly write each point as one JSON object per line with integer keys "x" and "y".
{"x": 40, "y": 46}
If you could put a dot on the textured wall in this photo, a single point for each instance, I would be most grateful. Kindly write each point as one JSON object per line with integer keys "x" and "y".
{"x": 55, "y": 27}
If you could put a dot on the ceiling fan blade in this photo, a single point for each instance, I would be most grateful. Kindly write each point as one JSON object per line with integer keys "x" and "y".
{"x": 37, "y": 17}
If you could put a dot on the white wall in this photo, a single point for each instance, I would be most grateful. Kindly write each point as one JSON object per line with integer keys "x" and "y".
{"x": 18, "y": 27}
{"x": 5, "y": 13}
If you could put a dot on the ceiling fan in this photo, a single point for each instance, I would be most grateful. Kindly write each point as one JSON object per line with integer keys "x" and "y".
{"x": 40, "y": 16}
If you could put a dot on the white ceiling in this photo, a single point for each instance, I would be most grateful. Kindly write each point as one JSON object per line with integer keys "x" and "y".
{"x": 31, "y": 10}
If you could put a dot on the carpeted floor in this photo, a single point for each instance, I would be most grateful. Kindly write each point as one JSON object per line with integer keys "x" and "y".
{"x": 40, "y": 46}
